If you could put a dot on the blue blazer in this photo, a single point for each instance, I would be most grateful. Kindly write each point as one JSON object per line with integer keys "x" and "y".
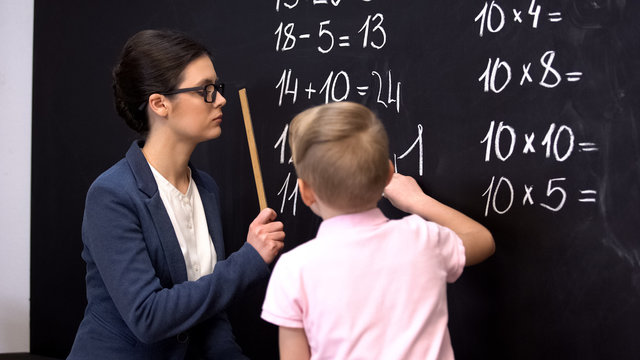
{"x": 140, "y": 304}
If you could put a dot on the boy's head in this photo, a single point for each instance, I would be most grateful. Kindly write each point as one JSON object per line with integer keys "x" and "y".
{"x": 341, "y": 151}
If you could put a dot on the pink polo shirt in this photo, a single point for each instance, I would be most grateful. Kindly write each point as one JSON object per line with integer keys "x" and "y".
{"x": 369, "y": 288}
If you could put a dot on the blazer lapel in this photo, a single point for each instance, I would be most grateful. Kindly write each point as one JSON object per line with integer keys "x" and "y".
{"x": 168, "y": 239}
{"x": 166, "y": 233}
{"x": 212, "y": 213}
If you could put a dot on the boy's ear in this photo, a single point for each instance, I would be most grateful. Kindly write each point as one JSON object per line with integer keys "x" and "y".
{"x": 306, "y": 193}
{"x": 157, "y": 104}
{"x": 392, "y": 170}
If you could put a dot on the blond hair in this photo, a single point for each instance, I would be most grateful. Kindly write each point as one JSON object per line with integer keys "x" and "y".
{"x": 341, "y": 150}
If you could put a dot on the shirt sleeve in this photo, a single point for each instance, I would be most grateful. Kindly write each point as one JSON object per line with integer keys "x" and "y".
{"x": 283, "y": 304}
{"x": 452, "y": 251}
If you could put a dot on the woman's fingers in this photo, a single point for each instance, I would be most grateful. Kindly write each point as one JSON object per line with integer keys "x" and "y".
{"x": 266, "y": 235}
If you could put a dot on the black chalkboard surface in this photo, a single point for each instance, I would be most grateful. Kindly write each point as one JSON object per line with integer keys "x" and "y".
{"x": 522, "y": 114}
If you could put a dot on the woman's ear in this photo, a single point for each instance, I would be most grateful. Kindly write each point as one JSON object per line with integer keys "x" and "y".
{"x": 306, "y": 193}
{"x": 157, "y": 104}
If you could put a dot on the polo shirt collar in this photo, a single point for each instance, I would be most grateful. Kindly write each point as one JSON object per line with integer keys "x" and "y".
{"x": 358, "y": 221}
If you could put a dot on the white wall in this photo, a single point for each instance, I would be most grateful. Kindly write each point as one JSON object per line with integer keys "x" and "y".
{"x": 16, "y": 59}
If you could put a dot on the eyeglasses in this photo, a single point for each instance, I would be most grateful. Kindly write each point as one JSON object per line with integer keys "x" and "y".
{"x": 209, "y": 92}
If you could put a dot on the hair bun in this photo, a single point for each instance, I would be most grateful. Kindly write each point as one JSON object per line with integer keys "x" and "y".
{"x": 132, "y": 116}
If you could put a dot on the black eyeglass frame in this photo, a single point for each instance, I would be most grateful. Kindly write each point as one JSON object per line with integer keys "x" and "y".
{"x": 217, "y": 88}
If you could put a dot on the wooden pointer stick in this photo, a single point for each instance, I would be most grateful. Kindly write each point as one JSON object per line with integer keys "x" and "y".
{"x": 253, "y": 150}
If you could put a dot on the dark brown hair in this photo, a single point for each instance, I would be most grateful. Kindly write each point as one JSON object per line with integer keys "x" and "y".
{"x": 152, "y": 61}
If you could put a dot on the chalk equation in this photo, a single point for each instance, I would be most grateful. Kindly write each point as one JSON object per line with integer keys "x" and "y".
{"x": 497, "y": 75}
{"x": 493, "y": 18}
{"x": 294, "y": 3}
{"x": 554, "y": 196}
{"x": 372, "y": 34}
{"x": 338, "y": 87}
{"x": 558, "y": 142}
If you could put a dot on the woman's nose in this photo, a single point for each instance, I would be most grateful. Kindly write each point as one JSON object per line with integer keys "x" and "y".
{"x": 220, "y": 100}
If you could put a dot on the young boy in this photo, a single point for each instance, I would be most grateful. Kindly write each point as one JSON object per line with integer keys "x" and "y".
{"x": 366, "y": 287}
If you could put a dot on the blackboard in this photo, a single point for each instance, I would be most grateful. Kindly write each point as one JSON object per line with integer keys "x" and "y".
{"x": 522, "y": 114}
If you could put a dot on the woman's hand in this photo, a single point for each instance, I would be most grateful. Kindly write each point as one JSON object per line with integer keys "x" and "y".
{"x": 266, "y": 235}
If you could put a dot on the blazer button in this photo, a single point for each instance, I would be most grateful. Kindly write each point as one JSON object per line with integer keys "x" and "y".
{"x": 182, "y": 338}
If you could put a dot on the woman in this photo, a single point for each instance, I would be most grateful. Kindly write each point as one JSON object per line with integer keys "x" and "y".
{"x": 157, "y": 279}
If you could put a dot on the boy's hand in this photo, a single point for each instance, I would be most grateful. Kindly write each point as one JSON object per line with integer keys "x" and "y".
{"x": 404, "y": 193}
{"x": 266, "y": 235}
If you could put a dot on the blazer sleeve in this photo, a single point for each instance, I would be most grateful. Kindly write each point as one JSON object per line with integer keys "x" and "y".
{"x": 215, "y": 340}
{"x": 114, "y": 240}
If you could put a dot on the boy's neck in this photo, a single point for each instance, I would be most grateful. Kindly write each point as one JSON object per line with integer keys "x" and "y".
{"x": 327, "y": 212}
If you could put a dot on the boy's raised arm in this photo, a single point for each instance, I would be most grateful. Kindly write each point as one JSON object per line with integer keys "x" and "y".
{"x": 405, "y": 194}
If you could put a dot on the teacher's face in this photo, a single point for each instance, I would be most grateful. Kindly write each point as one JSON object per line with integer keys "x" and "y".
{"x": 190, "y": 117}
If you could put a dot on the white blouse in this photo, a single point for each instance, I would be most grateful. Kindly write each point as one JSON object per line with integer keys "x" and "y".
{"x": 190, "y": 224}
